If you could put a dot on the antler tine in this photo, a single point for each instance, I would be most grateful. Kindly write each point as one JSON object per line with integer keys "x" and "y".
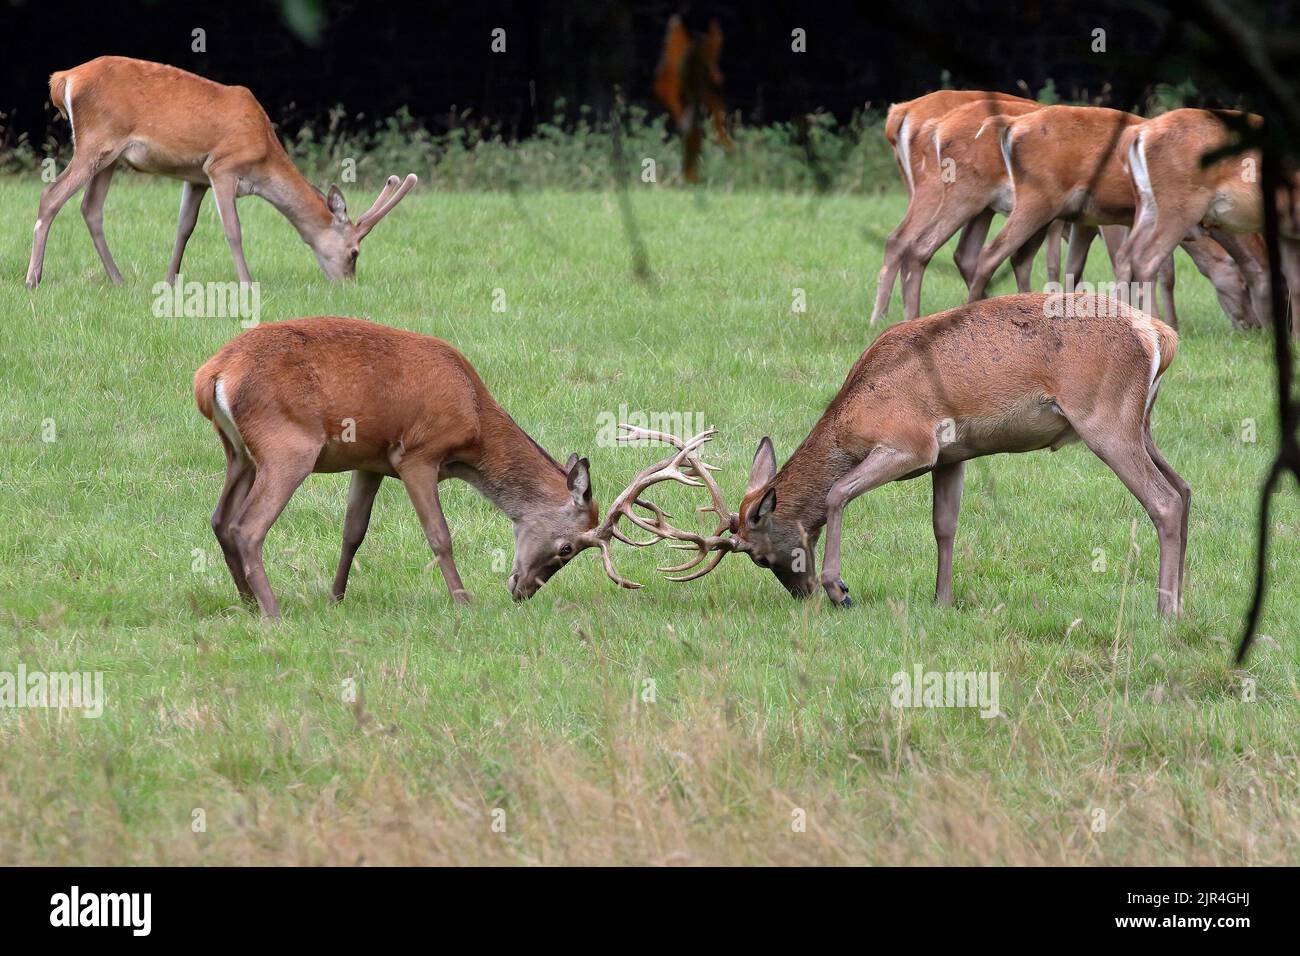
{"x": 384, "y": 193}
{"x": 385, "y": 203}
{"x": 609, "y": 568}
{"x": 684, "y": 467}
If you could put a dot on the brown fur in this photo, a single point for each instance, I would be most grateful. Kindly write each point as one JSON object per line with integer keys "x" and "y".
{"x": 330, "y": 394}
{"x": 168, "y": 122}
{"x": 1004, "y": 375}
{"x": 937, "y": 208}
{"x": 1219, "y": 197}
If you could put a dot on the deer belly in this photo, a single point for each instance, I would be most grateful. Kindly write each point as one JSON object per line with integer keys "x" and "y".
{"x": 339, "y": 454}
{"x": 147, "y": 157}
{"x": 1027, "y": 427}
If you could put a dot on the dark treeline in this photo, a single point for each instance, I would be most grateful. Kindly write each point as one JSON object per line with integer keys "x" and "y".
{"x": 302, "y": 57}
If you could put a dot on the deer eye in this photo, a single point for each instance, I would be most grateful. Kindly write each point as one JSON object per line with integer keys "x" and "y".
{"x": 566, "y": 550}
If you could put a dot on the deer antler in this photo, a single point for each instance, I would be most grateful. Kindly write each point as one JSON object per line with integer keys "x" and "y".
{"x": 686, "y": 468}
{"x": 388, "y": 197}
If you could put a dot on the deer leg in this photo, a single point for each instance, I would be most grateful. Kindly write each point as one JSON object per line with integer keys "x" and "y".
{"x": 240, "y": 473}
{"x": 1053, "y": 255}
{"x": 1149, "y": 244}
{"x": 276, "y": 481}
{"x": 895, "y": 247}
{"x": 1081, "y": 237}
{"x": 928, "y": 240}
{"x": 971, "y": 242}
{"x": 1218, "y": 265}
{"x": 92, "y": 211}
{"x": 361, "y": 499}
{"x": 947, "y": 481}
{"x": 1122, "y": 446}
{"x": 223, "y": 189}
{"x": 78, "y": 172}
{"x": 1030, "y": 215}
{"x": 421, "y": 481}
{"x": 1184, "y": 491}
{"x": 882, "y": 465}
{"x": 1022, "y": 260}
{"x": 1166, "y": 278}
{"x": 191, "y": 198}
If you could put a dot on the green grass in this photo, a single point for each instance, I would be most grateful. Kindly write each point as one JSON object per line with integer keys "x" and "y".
{"x": 761, "y": 705}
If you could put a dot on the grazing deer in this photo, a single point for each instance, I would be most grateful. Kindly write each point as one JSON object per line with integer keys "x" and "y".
{"x": 1064, "y": 163}
{"x": 959, "y": 184}
{"x": 911, "y": 129}
{"x": 1010, "y": 374}
{"x": 330, "y": 394}
{"x": 1176, "y": 195}
{"x": 161, "y": 120}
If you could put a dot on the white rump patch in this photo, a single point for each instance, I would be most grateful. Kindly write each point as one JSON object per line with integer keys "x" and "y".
{"x": 904, "y": 151}
{"x": 1004, "y": 144}
{"x": 67, "y": 106}
{"x": 225, "y": 419}
{"x": 1146, "y": 333}
{"x": 1137, "y": 158}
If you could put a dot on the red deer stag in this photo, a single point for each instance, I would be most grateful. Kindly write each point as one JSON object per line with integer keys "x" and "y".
{"x": 331, "y": 394}
{"x": 1011, "y": 374}
{"x": 161, "y": 120}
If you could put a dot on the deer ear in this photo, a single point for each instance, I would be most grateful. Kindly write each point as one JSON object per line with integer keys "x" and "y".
{"x": 763, "y": 469}
{"x": 761, "y": 512}
{"x": 334, "y": 199}
{"x": 573, "y": 460}
{"x": 579, "y": 481}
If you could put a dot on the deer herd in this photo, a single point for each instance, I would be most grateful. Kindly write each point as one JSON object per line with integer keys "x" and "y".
{"x": 1014, "y": 373}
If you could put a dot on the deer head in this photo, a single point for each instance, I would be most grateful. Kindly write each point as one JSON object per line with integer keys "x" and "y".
{"x": 338, "y": 245}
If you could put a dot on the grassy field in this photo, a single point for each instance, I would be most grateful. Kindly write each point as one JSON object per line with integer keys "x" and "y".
{"x": 761, "y": 707}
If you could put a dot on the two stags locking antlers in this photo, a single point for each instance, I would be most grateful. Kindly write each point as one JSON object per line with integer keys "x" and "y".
{"x": 686, "y": 468}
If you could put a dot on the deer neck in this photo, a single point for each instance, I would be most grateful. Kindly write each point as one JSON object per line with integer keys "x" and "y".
{"x": 285, "y": 188}
{"x": 804, "y": 481}
{"x": 511, "y": 470}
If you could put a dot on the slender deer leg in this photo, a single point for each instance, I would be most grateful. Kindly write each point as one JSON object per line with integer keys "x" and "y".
{"x": 1053, "y": 255}
{"x": 223, "y": 189}
{"x": 967, "y": 253}
{"x": 899, "y": 252}
{"x": 894, "y": 248}
{"x": 1022, "y": 260}
{"x": 1228, "y": 279}
{"x": 882, "y": 465}
{"x": 939, "y": 227}
{"x": 240, "y": 473}
{"x": 1081, "y": 237}
{"x": 421, "y": 481}
{"x": 191, "y": 198}
{"x": 1165, "y": 276}
{"x": 1150, "y": 243}
{"x": 948, "y": 480}
{"x": 1185, "y": 492}
{"x": 276, "y": 481}
{"x": 1122, "y": 446}
{"x": 361, "y": 498}
{"x": 1029, "y": 216}
{"x": 78, "y": 173}
{"x": 92, "y": 210}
